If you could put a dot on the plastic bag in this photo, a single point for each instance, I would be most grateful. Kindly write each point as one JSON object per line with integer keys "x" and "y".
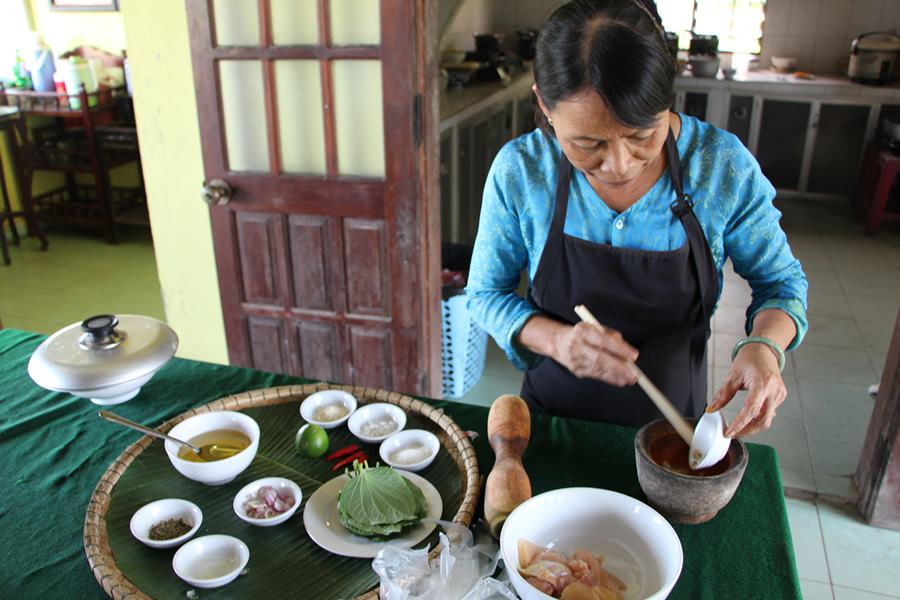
{"x": 462, "y": 571}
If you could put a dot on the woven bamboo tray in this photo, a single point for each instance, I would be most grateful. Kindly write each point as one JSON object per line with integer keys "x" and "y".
{"x": 96, "y": 542}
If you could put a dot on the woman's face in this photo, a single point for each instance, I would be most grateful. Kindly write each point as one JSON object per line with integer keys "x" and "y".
{"x": 612, "y": 156}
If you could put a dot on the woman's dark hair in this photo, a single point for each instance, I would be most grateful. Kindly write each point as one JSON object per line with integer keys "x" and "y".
{"x": 613, "y": 47}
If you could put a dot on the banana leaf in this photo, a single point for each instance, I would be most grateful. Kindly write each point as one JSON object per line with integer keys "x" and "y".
{"x": 284, "y": 561}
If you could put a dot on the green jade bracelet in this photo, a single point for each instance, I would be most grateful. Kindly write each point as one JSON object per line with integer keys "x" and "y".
{"x": 756, "y": 339}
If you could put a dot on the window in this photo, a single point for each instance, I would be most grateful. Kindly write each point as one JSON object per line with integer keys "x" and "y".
{"x": 737, "y": 23}
{"x": 15, "y": 25}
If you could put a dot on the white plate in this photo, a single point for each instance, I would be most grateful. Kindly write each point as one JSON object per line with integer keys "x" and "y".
{"x": 324, "y": 527}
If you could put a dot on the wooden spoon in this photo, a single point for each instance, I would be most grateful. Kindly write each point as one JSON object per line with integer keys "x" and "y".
{"x": 659, "y": 399}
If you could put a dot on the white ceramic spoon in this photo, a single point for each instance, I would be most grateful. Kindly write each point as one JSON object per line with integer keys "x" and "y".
{"x": 709, "y": 444}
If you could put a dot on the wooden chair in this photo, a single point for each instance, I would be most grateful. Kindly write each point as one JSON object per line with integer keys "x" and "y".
{"x": 12, "y": 122}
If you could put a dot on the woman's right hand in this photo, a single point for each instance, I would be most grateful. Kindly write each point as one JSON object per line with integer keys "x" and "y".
{"x": 582, "y": 349}
{"x": 587, "y": 352}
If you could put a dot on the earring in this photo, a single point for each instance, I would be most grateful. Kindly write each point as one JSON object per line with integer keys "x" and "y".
{"x": 549, "y": 120}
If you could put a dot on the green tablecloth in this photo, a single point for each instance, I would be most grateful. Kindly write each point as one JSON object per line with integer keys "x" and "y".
{"x": 54, "y": 450}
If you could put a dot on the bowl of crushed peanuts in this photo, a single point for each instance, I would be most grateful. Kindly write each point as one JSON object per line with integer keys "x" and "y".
{"x": 328, "y": 408}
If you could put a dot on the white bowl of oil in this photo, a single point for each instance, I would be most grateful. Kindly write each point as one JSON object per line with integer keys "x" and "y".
{"x": 225, "y": 428}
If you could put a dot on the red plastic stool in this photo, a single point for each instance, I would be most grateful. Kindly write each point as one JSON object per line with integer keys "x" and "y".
{"x": 878, "y": 172}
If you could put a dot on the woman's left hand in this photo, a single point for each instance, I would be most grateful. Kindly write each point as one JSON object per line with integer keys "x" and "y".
{"x": 755, "y": 369}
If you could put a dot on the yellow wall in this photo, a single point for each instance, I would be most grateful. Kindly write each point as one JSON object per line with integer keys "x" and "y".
{"x": 166, "y": 111}
{"x": 64, "y": 31}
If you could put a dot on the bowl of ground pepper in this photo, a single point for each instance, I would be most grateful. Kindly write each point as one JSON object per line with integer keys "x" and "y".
{"x": 166, "y": 523}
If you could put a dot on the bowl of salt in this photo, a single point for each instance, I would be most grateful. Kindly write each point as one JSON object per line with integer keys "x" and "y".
{"x": 410, "y": 450}
{"x": 373, "y": 423}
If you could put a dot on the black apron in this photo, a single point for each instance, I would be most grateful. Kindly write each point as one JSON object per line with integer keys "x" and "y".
{"x": 661, "y": 302}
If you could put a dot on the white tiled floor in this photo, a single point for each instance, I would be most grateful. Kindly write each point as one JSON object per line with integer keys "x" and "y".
{"x": 854, "y": 300}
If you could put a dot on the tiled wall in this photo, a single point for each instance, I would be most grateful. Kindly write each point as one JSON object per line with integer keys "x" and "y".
{"x": 817, "y": 32}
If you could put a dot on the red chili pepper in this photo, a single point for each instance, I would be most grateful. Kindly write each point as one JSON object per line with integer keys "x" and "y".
{"x": 361, "y": 456}
{"x": 342, "y": 452}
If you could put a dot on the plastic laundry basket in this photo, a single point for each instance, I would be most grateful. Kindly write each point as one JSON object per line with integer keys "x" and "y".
{"x": 464, "y": 344}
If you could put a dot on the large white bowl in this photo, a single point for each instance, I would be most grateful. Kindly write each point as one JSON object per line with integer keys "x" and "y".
{"x": 211, "y": 561}
{"x": 625, "y": 530}
{"x": 162, "y": 510}
{"x": 409, "y": 438}
{"x": 221, "y": 471}
{"x": 282, "y": 486}
{"x": 376, "y": 413}
{"x": 327, "y": 398}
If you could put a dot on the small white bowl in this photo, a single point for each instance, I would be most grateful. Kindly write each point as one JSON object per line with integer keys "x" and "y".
{"x": 282, "y": 486}
{"x": 376, "y": 413}
{"x": 410, "y": 438}
{"x": 326, "y": 398}
{"x": 784, "y": 63}
{"x": 221, "y": 471}
{"x": 211, "y": 561}
{"x": 162, "y": 510}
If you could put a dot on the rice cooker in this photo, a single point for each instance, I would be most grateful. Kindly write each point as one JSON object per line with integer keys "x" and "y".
{"x": 873, "y": 58}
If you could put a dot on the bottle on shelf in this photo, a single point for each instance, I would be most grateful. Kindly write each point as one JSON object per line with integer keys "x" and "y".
{"x": 39, "y": 61}
{"x": 21, "y": 76}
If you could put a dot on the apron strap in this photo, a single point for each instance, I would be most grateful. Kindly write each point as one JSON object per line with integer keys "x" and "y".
{"x": 555, "y": 234}
{"x": 682, "y": 207}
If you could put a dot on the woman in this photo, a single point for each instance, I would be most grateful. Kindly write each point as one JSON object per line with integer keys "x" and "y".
{"x": 630, "y": 209}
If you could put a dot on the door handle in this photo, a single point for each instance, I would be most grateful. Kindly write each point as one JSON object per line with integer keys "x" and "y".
{"x": 217, "y": 192}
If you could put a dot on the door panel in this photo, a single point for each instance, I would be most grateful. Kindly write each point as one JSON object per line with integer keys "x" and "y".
{"x": 328, "y": 251}
{"x": 311, "y": 240}
{"x": 268, "y": 342}
{"x": 318, "y": 343}
{"x": 367, "y": 272}
{"x": 258, "y": 245}
{"x": 371, "y": 351}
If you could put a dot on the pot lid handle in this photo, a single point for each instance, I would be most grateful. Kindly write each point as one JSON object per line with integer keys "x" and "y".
{"x": 100, "y": 333}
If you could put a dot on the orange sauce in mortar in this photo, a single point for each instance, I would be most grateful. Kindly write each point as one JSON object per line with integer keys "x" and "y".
{"x": 671, "y": 453}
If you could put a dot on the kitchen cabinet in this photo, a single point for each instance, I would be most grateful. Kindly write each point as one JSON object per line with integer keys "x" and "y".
{"x": 740, "y": 111}
{"x": 475, "y": 124}
{"x": 808, "y": 137}
{"x": 840, "y": 136}
{"x": 782, "y": 141}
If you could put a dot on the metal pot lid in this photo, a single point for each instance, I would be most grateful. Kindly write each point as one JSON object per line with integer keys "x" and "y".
{"x": 102, "y": 351}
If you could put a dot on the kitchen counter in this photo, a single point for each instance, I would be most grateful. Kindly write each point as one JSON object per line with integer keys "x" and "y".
{"x": 459, "y": 103}
{"x": 768, "y": 81}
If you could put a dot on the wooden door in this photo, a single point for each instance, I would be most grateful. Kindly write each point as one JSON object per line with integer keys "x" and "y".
{"x": 328, "y": 251}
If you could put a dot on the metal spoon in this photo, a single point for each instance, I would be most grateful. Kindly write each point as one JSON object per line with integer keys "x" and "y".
{"x": 208, "y": 452}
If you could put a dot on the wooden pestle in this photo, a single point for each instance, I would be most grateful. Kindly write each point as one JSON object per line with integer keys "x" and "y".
{"x": 507, "y": 486}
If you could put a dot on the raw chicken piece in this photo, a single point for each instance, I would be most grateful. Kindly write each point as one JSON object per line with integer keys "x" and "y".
{"x": 581, "y": 578}
{"x": 600, "y": 576}
{"x": 556, "y": 574}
